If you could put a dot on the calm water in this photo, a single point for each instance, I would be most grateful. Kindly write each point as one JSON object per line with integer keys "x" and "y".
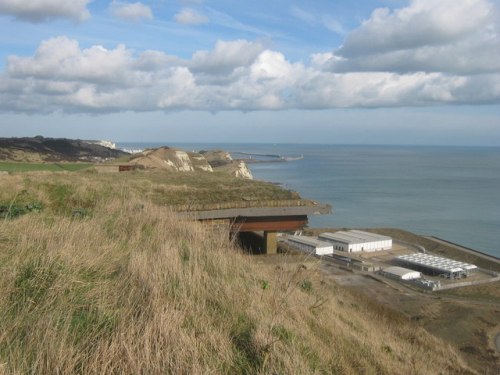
{"x": 449, "y": 192}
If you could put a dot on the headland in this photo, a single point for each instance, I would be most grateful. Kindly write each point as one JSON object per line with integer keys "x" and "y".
{"x": 109, "y": 275}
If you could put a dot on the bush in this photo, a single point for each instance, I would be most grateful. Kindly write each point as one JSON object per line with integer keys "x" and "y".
{"x": 10, "y": 211}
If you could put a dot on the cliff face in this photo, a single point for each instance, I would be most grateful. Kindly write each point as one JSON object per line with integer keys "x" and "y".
{"x": 181, "y": 161}
{"x": 172, "y": 159}
{"x": 217, "y": 158}
{"x": 222, "y": 160}
{"x": 242, "y": 170}
{"x": 104, "y": 143}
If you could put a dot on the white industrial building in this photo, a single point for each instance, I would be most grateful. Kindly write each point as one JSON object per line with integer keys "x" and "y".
{"x": 434, "y": 265}
{"x": 400, "y": 273}
{"x": 356, "y": 240}
{"x": 311, "y": 245}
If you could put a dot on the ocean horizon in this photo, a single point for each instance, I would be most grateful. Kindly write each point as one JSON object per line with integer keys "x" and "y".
{"x": 449, "y": 192}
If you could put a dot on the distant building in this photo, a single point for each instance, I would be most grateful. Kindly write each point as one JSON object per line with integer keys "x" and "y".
{"x": 128, "y": 168}
{"x": 311, "y": 245}
{"x": 400, "y": 273}
{"x": 356, "y": 240}
{"x": 437, "y": 266}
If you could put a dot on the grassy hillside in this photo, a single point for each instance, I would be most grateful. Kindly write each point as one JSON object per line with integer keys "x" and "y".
{"x": 103, "y": 279}
{"x": 88, "y": 189}
{"x": 25, "y": 167}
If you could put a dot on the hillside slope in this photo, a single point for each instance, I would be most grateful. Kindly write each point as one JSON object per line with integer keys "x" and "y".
{"x": 38, "y": 149}
{"x": 125, "y": 287}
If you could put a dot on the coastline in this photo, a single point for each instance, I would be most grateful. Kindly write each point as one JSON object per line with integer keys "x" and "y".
{"x": 352, "y": 181}
{"x": 487, "y": 256}
{"x": 431, "y": 244}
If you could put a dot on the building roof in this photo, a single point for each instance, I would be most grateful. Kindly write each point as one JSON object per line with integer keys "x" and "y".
{"x": 354, "y": 237}
{"x": 309, "y": 241}
{"x": 271, "y": 211}
{"x": 399, "y": 271}
{"x": 437, "y": 263}
{"x": 369, "y": 235}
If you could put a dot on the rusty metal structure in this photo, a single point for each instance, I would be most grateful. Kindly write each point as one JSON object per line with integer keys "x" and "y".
{"x": 127, "y": 168}
{"x": 270, "y": 220}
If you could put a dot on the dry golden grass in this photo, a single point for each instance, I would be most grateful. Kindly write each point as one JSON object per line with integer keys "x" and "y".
{"x": 130, "y": 289}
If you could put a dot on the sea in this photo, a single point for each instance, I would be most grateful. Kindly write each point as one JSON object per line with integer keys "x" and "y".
{"x": 449, "y": 192}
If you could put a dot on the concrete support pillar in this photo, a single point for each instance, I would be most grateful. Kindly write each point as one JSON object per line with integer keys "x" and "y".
{"x": 270, "y": 242}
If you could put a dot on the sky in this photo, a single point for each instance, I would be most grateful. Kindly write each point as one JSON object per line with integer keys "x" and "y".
{"x": 324, "y": 71}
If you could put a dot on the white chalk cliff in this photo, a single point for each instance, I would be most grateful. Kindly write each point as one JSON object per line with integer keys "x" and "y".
{"x": 242, "y": 170}
{"x": 171, "y": 159}
{"x": 181, "y": 161}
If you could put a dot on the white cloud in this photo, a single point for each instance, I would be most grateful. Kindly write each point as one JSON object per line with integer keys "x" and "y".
{"x": 134, "y": 12}
{"x": 188, "y": 16}
{"x": 226, "y": 57}
{"x": 153, "y": 60}
{"x": 271, "y": 65}
{"x": 467, "y": 57}
{"x": 235, "y": 75}
{"x": 385, "y": 90}
{"x": 62, "y": 58}
{"x": 427, "y": 53}
{"x": 379, "y": 65}
{"x": 422, "y": 23}
{"x": 456, "y": 37}
{"x": 45, "y": 10}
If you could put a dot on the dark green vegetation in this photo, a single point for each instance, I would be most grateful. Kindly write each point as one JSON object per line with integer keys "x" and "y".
{"x": 38, "y": 149}
{"x": 213, "y": 190}
{"x": 10, "y": 211}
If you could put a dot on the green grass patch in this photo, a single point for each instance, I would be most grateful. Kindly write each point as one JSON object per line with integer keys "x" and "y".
{"x": 283, "y": 334}
{"x": 248, "y": 359}
{"x": 32, "y": 282}
{"x": 174, "y": 188}
{"x": 122, "y": 159}
{"x": 59, "y": 196}
{"x": 10, "y": 211}
{"x": 53, "y": 167}
{"x": 485, "y": 292}
{"x": 89, "y": 321}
